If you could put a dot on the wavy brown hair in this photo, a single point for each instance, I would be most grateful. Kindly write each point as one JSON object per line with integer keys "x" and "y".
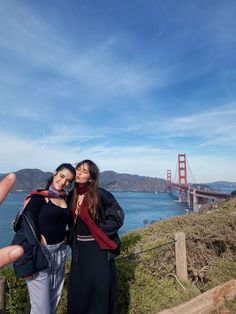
{"x": 92, "y": 195}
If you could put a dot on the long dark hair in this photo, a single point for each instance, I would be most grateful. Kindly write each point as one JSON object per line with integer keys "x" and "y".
{"x": 92, "y": 195}
{"x": 60, "y": 168}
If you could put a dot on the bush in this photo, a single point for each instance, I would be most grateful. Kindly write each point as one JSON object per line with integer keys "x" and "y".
{"x": 17, "y": 300}
{"x": 233, "y": 193}
{"x": 128, "y": 241}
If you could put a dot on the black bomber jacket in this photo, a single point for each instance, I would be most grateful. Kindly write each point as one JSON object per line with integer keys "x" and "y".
{"x": 34, "y": 258}
{"x": 111, "y": 218}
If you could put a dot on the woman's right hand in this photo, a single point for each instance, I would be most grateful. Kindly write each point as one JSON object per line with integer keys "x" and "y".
{"x": 43, "y": 239}
{"x": 31, "y": 277}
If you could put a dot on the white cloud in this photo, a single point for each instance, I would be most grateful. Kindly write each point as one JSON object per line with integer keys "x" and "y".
{"x": 99, "y": 68}
{"x": 141, "y": 160}
{"x": 212, "y": 127}
{"x": 209, "y": 168}
{"x": 83, "y": 99}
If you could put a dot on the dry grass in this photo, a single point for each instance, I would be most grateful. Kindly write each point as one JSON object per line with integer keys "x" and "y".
{"x": 150, "y": 285}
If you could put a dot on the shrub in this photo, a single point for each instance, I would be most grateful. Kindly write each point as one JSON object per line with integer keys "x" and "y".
{"x": 233, "y": 193}
{"x": 17, "y": 300}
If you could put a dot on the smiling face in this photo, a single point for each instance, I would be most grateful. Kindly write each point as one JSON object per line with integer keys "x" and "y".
{"x": 62, "y": 179}
{"x": 82, "y": 173}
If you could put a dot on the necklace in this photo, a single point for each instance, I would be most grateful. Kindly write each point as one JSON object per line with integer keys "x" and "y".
{"x": 78, "y": 204}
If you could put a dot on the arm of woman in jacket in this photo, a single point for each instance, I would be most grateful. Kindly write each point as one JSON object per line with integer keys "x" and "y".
{"x": 24, "y": 267}
{"x": 112, "y": 215}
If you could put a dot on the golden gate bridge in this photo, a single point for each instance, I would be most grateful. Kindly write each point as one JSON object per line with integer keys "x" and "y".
{"x": 194, "y": 195}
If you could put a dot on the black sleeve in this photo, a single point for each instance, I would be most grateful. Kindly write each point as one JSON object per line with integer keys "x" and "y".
{"x": 24, "y": 266}
{"x": 70, "y": 218}
{"x": 69, "y": 203}
{"x": 70, "y": 198}
{"x": 34, "y": 206}
{"x": 112, "y": 215}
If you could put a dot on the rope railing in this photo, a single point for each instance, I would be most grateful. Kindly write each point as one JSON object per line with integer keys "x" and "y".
{"x": 153, "y": 248}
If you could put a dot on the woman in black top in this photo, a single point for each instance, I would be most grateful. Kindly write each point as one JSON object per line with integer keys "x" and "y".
{"x": 97, "y": 219}
{"x": 40, "y": 230}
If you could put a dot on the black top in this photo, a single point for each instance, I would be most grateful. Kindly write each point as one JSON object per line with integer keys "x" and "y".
{"x": 50, "y": 219}
{"x": 82, "y": 228}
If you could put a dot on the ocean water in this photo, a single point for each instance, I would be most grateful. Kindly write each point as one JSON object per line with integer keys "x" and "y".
{"x": 140, "y": 210}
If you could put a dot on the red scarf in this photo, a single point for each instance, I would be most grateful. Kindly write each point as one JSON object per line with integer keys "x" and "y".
{"x": 102, "y": 239}
{"x": 46, "y": 193}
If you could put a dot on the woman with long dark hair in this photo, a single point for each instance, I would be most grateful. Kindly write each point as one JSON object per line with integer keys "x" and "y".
{"x": 97, "y": 219}
{"x": 40, "y": 229}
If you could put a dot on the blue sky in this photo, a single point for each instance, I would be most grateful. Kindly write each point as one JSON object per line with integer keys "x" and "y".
{"x": 128, "y": 84}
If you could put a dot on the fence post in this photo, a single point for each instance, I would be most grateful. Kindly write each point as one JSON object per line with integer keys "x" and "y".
{"x": 3, "y": 286}
{"x": 180, "y": 256}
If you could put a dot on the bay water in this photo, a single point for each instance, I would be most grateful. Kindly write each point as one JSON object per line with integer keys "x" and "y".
{"x": 140, "y": 210}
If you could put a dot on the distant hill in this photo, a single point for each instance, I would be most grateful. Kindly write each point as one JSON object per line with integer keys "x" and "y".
{"x": 223, "y": 186}
{"x": 220, "y": 186}
{"x": 30, "y": 179}
{"x": 113, "y": 181}
{"x": 201, "y": 186}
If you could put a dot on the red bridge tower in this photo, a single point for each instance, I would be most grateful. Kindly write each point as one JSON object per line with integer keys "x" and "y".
{"x": 168, "y": 180}
{"x": 182, "y": 172}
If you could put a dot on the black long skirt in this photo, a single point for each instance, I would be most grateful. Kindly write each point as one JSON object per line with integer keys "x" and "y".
{"x": 92, "y": 283}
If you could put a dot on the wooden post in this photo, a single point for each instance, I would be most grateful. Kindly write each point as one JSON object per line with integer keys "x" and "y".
{"x": 3, "y": 286}
{"x": 180, "y": 256}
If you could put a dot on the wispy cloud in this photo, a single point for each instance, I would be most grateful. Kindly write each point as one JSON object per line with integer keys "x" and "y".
{"x": 76, "y": 84}
{"x": 211, "y": 125}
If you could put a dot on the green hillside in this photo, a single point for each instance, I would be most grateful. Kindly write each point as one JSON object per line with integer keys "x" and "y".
{"x": 148, "y": 282}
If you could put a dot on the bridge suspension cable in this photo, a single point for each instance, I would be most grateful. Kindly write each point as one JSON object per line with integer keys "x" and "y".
{"x": 194, "y": 181}
{"x": 175, "y": 176}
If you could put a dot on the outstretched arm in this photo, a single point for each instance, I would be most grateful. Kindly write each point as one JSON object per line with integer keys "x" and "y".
{"x": 10, "y": 253}
{"x": 6, "y": 185}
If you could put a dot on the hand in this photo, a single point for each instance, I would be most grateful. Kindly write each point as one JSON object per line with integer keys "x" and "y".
{"x": 6, "y": 185}
{"x": 43, "y": 240}
{"x": 31, "y": 277}
{"x": 10, "y": 253}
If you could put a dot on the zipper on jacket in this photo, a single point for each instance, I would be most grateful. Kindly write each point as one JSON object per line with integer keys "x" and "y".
{"x": 32, "y": 229}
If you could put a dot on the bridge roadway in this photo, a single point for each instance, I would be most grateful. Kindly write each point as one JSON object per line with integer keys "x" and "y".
{"x": 194, "y": 196}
